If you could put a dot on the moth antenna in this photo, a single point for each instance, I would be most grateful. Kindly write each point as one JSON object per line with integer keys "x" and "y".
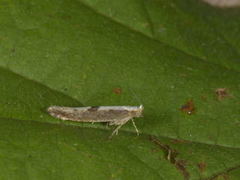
{"x": 136, "y": 97}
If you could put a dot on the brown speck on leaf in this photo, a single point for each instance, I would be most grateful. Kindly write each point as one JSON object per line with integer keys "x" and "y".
{"x": 171, "y": 156}
{"x": 117, "y": 91}
{"x": 183, "y": 75}
{"x": 66, "y": 17}
{"x": 180, "y": 165}
{"x": 224, "y": 174}
{"x": 178, "y": 141}
{"x": 154, "y": 150}
{"x": 226, "y": 177}
{"x": 221, "y": 177}
{"x": 202, "y": 166}
{"x": 204, "y": 98}
{"x": 13, "y": 50}
{"x": 189, "y": 107}
{"x": 222, "y": 93}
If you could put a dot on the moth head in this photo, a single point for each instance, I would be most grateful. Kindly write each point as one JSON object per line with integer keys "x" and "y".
{"x": 139, "y": 111}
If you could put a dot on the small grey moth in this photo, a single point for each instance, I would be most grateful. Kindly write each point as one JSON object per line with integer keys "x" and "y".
{"x": 114, "y": 115}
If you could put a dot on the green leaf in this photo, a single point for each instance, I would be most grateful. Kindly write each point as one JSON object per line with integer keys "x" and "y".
{"x": 171, "y": 56}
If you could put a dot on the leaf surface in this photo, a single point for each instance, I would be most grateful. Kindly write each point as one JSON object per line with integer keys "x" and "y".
{"x": 162, "y": 54}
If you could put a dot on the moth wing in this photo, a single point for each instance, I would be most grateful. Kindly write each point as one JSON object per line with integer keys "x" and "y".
{"x": 65, "y": 113}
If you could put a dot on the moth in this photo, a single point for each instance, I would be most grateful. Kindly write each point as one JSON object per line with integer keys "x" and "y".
{"x": 114, "y": 115}
{"x": 224, "y": 3}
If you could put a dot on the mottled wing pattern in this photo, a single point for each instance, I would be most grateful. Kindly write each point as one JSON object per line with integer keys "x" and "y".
{"x": 88, "y": 114}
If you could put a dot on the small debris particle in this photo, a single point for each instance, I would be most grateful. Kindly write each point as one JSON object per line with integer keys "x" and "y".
{"x": 202, "y": 166}
{"x": 117, "y": 91}
{"x": 188, "y": 108}
{"x": 222, "y": 93}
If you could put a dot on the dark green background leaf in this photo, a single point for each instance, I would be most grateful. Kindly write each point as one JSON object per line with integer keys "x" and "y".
{"x": 159, "y": 53}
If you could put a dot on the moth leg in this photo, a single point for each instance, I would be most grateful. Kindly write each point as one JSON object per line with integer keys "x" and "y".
{"x": 120, "y": 124}
{"x": 116, "y": 131}
{"x": 134, "y": 125}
